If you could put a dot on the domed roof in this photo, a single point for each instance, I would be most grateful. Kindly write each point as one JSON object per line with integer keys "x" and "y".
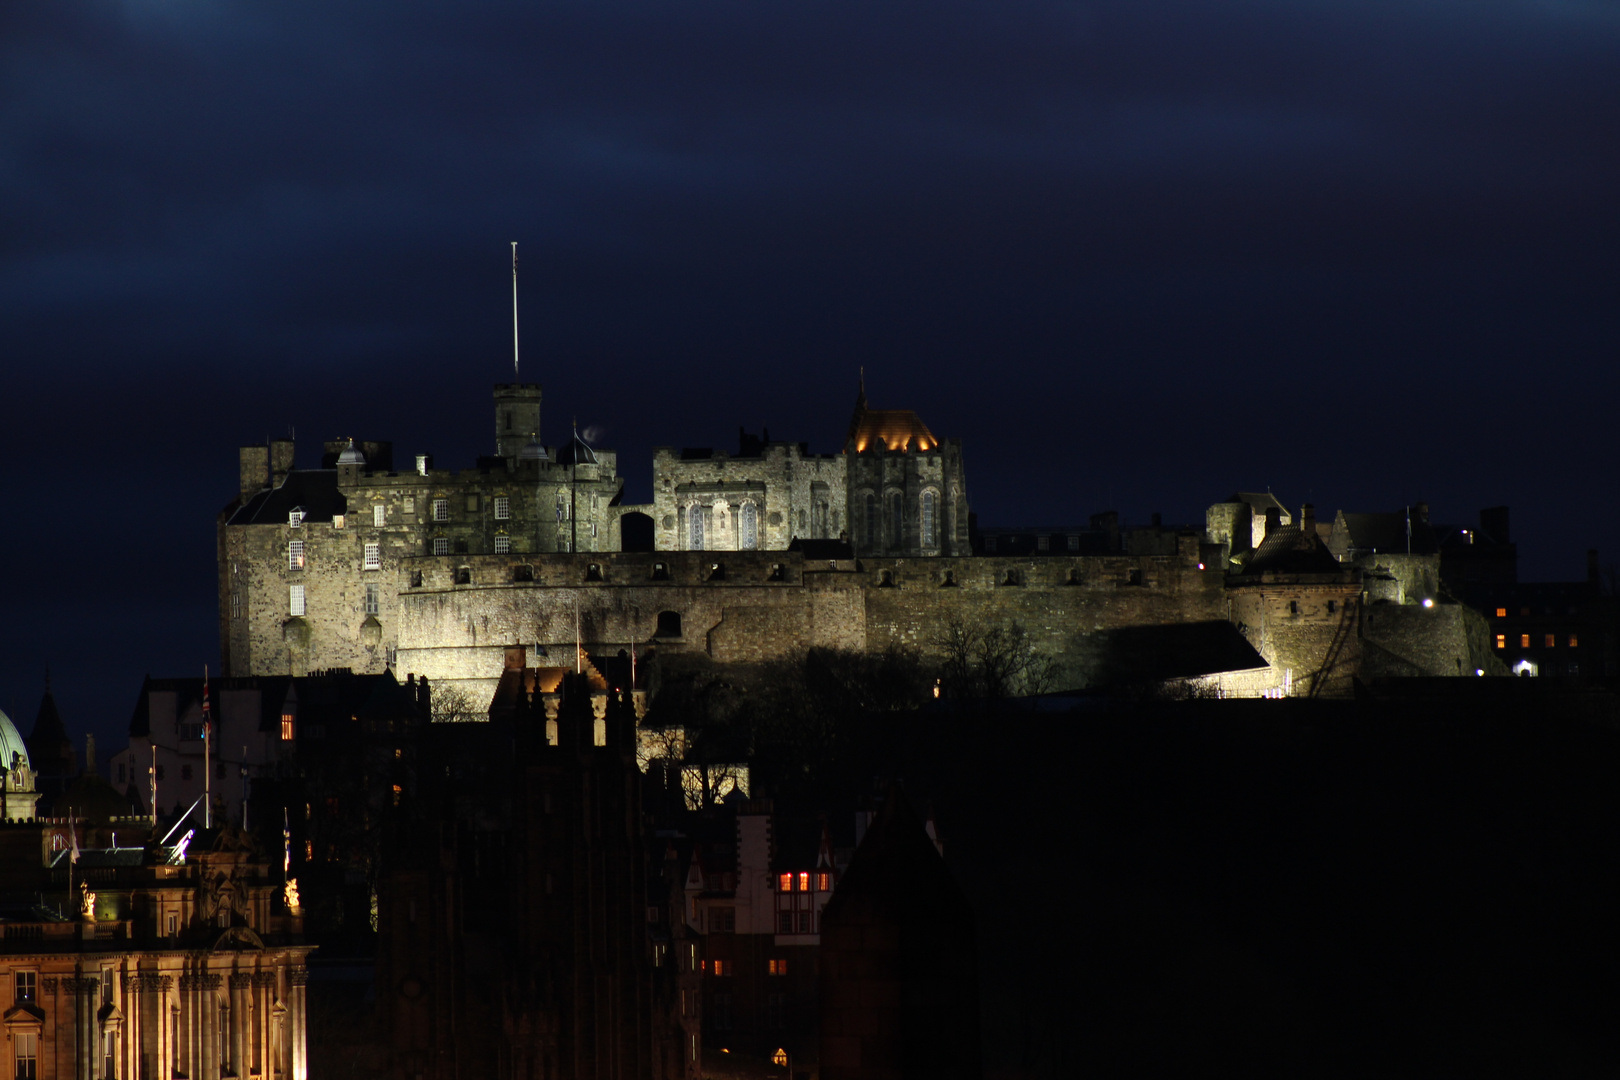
{"x": 351, "y": 455}
{"x": 532, "y": 451}
{"x": 11, "y": 742}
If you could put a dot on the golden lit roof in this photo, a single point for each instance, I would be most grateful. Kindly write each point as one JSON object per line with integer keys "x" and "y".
{"x": 892, "y": 429}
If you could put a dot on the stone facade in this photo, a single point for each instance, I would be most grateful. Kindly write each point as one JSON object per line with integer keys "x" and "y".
{"x": 762, "y": 499}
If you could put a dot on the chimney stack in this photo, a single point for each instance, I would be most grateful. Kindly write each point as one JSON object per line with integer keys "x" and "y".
{"x": 1273, "y": 520}
{"x": 1307, "y": 521}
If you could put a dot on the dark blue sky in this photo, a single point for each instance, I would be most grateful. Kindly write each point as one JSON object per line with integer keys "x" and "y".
{"x": 1134, "y": 255}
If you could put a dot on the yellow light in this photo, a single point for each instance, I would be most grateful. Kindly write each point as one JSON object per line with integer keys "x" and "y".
{"x": 779, "y": 1058}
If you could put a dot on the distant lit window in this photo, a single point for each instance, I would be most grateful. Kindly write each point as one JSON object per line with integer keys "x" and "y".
{"x": 441, "y": 509}
{"x": 27, "y": 985}
{"x": 337, "y": 521}
{"x": 441, "y": 545}
{"x": 503, "y": 544}
{"x": 1552, "y": 641}
{"x": 503, "y": 508}
{"x": 723, "y": 967}
{"x": 373, "y": 557}
{"x": 1524, "y": 641}
{"x": 1573, "y": 642}
{"x": 397, "y": 792}
{"x": 1501, "y": 613}
{"x": 295, "y": 555}
{"x": 373, "y": 598}
{"x": 379, "y": 515}
{"x": 776, "y": 967}
{"x": 784, "y": 883}
{"x": 1501, "y": 641}
{"x": 804, "y": 881}
{"x": 295, "y": 600}
{"x": 287, "y": 729}
{"x": 823, "y": 882}
{"x": 295, "y": 518}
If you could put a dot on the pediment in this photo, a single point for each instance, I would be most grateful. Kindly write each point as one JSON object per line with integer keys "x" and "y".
{"x": 238, "y": 939}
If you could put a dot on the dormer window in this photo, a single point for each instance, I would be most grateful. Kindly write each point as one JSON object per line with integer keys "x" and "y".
{"x": 295, "y": 518}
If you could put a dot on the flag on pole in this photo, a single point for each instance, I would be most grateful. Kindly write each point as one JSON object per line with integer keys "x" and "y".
{"x": 286, "y": 843}
{"x": 73, "y": 841}
{"x": 208, "y": 723}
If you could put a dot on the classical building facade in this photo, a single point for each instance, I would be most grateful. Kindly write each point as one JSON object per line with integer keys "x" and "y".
{"x": 150, "y": 962}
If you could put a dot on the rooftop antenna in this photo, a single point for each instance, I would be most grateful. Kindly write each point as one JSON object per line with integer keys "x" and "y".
{"x": 514, "y": 314}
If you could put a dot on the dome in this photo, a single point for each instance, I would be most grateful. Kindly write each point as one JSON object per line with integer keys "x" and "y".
{"x": 351, "y": 455}
{"x": 11, "y": 742}
{"x": 532, "y": 451}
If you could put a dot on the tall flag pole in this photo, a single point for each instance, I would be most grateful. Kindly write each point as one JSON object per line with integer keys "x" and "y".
{"x": 286, "y": 844}
{"x": 208, "y": 768}
{"x": 514, "y": 314}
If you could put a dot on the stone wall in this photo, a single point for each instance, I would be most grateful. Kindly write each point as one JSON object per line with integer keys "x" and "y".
{"x": 795, "y": 494}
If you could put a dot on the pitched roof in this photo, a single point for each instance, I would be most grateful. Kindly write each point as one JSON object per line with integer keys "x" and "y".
{"x": 1391, "y": 533}
{"x": 1287, "y": 549}
{"x": 890, "y": 429}
{"x": 314, "y": 491}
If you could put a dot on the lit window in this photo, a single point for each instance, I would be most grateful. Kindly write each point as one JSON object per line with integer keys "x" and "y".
{"x": 1552, "y": 641}
{"x": 295, "y": 600}
{"x": 1524, "y": 641}
{"x": 295, "y": 518}
{"x": 823, "y": 882}
{"x": 373, "y": 557}
{"x": 722, "y": 967}
{"x": 804, "y": 881}
{"x": 379, "y": 515}
{"x": 27, "y": 1055}
{"x": 1501, "y": 613}
{"x": 397, "y": 791}
{"x": 503, "y": 508}
{"x": 441, "y": 509}
{"x": 337, "y": 521}
{"x": 777, "y": 967}
{"x": 1573, "y": 642}
{"x": 287, "y": 730}
{"x": 373, "y": 605}
{"x": 295, "y": 555}
{"x": 503, "y": 544}
{"x": 1501, "y": 641}
{"x": 784, "y": 883}
{"x": 441, "y": 545}
{"x": 27, "y": 985}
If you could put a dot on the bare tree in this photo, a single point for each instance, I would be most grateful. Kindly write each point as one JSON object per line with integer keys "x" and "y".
{"x": 454, "y": 705}
{"x": 992, "y": 662}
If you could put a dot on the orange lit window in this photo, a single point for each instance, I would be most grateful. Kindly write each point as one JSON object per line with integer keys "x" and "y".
{"x": 1524, "y": 641}
{"x": 804, "y": 881}
{"x": 286, "y": 727}
{"x": 823, "y": 882}
{"x": 1552, "y": 641}
{"x": 777, "y": 967}
{"x": 1501, "y": 613}
{"x": 785, "y": 883}
{"x": 1573, "y": 643}
{"x": 397, "y": 790}
{"x": 722, "y": 967}
{"x": 1501, "y": 641}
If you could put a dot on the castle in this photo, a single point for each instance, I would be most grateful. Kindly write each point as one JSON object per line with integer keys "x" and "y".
{"x": 762, "y": 554}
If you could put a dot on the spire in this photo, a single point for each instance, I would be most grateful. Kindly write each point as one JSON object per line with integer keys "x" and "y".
{"x": 860, "y": 410}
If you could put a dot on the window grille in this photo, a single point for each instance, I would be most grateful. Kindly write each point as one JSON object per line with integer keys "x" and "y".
{"x": 441, "y": 509}
{"x": 295, "y": 555}
{"x": 928, "y": 498}
{"x": 372, "y": 604}
{"x": 503, "y": 544}
{"x": 295, "y": 600}
{"x": 694, "y": 521}
{"x": 503, "y": 508}
{"x": 379, "y": 515}
{"x": 441, "y": 545}
{"x": 373, "y": 557}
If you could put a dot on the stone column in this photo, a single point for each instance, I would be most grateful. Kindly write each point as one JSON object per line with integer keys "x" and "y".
{"x": 86, "y": 1036}
{"x": 208, "y": 1024}
{"x": 298, "y": 1022}
{"x": 264, "y": 993}
{"x": 241, "y": 1020}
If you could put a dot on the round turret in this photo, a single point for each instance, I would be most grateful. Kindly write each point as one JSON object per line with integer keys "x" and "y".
{"x": 351, "y": 455}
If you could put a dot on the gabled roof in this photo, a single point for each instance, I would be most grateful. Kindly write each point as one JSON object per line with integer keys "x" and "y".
{"x": 1387, "y": 533}
{"x": 1287, "y": 549}
{"x": 314, "y": 491}
{"x": 890, "y": 429}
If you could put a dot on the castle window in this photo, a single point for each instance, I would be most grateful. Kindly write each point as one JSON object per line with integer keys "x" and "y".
{"x": 823, "y": 881}
{"x": 1293, "y": 607}
{"x": 379, "y": 515}
{"x": 416, "y": 579}
{"x": 896, "y": 521}
{"x": 503, "y": 508}
{"x": 1573, "y": 642}
{"x": 1043, "y": 543}
{"x": 660, "y": 571}
{"x": 722, "y": 920}
{"x": 1501, "y": 613}
{"x": 524, "y": 572}
{"x": 776, "y": 967}
{"x": 1074, "y": 543}
{"x": 295, "y": 518}
{"x": 441, "y": 509}
{"x": 885, "y": 579}
{"x": 749, "y": 519}
{"x": 372, "y": 605}
{"x": 1501, "y": 641}
{"x": 373, "y": 560}
{"x": 694, "y": 525}
{"x": 295, "y": 600}
{"x": 804, "y": 881}
{"x": 928, "y": 501}
{"x": 669, "y": 624}
{"x": 295, "y": 555}
{"x": 503, "y": 544}
{"x": 463, "y": 575}
{"x": 287, "y": 728}
{"x": 593, "y": 572}
{"x": 441, "y": 545}
{"x": 869, "y": 521}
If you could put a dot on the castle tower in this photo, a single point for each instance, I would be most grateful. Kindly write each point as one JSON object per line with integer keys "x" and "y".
{"x": 517, "y": 417}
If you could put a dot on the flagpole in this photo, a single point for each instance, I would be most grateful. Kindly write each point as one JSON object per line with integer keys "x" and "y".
{"x": 208, "y": 769}
{"x": 514, "y": 314}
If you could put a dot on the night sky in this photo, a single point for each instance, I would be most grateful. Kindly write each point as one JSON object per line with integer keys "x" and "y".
{"x": 1135, "y": 255}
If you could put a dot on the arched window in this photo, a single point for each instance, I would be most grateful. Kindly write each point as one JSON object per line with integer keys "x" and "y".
{"x": 694, "y": 527}
{"x": 669, "y": 624}
{"x": 928, "y": 512}
{"x": 748, "y": 524}
{"x": 869, "y": 523}
{"x": 896, "y": 520}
